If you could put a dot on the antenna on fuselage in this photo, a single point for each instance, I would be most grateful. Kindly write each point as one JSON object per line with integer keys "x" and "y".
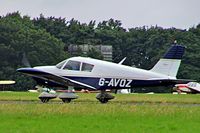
{"x": 122, "y": 61}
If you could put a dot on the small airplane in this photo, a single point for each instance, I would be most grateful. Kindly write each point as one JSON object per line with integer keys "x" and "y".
{"x": 191, "y": 87}
{"x": 6, "y": 82}
{"x": 93, "y": 74}
{"x": 3, "y": 83}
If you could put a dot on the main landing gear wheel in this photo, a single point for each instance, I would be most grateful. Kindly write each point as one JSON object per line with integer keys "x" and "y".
{"x": 104, "y": 97}
{"x": 44, "y": 100}
{"x": 104, "y": 100}
{"x": 45, "y": 96}
{"x": 67, "y": 97}
{"x": 66, "y": 100}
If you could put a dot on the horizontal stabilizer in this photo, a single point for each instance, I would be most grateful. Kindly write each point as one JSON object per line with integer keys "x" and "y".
{"x": 183, "y": 81}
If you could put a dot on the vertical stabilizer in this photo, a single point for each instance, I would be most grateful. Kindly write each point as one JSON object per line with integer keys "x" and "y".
{"x": 169, "y": 64}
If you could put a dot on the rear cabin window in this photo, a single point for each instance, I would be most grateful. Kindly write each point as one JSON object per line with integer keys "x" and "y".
{"x": 72, "y": 65}
{"x": 87, "y": 67}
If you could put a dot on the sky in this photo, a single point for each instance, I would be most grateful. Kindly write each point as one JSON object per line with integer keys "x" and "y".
{"x": 181, "y": 14}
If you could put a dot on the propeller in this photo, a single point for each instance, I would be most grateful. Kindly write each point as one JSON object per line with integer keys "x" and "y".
{"x": 25, "y": 61}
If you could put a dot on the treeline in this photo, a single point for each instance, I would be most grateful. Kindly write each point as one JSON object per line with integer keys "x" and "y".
{"x": 44, "y": 41}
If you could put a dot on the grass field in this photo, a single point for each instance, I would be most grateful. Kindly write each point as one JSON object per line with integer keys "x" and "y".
{"x": 126, "y": 114}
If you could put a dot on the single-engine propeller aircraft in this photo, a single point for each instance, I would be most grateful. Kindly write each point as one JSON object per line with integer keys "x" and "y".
{"x": 191, "y": 87}
{"x": 101, "y": 75}
{"x": 4, "y": 83}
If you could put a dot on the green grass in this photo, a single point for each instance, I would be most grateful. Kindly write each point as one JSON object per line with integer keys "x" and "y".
{"x": 131, "y": 113}
{"x": 119, "y": 98}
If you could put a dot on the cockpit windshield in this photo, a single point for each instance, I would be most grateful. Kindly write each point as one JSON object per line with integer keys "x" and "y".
{"x": 59, "y": 65}
{"x": 75, "y": 65}
{"x": 72, "y": 65}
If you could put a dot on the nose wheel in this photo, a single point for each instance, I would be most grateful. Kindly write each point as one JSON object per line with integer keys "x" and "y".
{"x": 45, "y": 96}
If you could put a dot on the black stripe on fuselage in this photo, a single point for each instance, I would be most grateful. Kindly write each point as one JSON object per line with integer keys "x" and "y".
{"x": 110, "y": 83}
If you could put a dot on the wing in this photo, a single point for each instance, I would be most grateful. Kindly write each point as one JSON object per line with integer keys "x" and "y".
{"x": 194, "y": 86}
{"x": 38, "y": 74}
{"x": 7, "y": 82}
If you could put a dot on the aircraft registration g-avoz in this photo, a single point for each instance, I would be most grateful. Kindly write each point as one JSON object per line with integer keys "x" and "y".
{"x": 101, "y": 75}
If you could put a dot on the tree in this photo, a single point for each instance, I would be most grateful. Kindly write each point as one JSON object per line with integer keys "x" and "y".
{"x": 18, "y": 35}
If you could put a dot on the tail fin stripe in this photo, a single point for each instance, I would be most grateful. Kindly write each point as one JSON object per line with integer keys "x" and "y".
{"x": 175, "y": 52}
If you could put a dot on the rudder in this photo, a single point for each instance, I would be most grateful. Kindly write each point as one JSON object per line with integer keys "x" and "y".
{"x": 170, "y": 63}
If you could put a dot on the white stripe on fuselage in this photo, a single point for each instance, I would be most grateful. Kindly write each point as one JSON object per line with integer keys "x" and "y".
{"x": 104, "y": 69}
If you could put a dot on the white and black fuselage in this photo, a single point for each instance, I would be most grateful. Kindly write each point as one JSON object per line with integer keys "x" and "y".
{"x": 97, "y": 74}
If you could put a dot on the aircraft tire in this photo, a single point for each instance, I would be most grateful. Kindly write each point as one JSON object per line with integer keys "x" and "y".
{"x": 44, "y": 100}
{"x": 104, "y": 97}
{"x": 103, "y": 100}
{"x": 66, "y": 100}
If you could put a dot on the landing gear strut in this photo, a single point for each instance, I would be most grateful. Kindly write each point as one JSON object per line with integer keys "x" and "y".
{"x": 104, "y": 97}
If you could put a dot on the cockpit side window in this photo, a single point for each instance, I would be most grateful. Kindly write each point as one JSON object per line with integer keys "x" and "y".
{"x": 72, "y": 65}
{"x": 87, "y": 67}
{"x": 59, "y": 65}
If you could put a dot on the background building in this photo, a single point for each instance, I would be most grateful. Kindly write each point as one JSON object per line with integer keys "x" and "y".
{"x": 105, "y": 50}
